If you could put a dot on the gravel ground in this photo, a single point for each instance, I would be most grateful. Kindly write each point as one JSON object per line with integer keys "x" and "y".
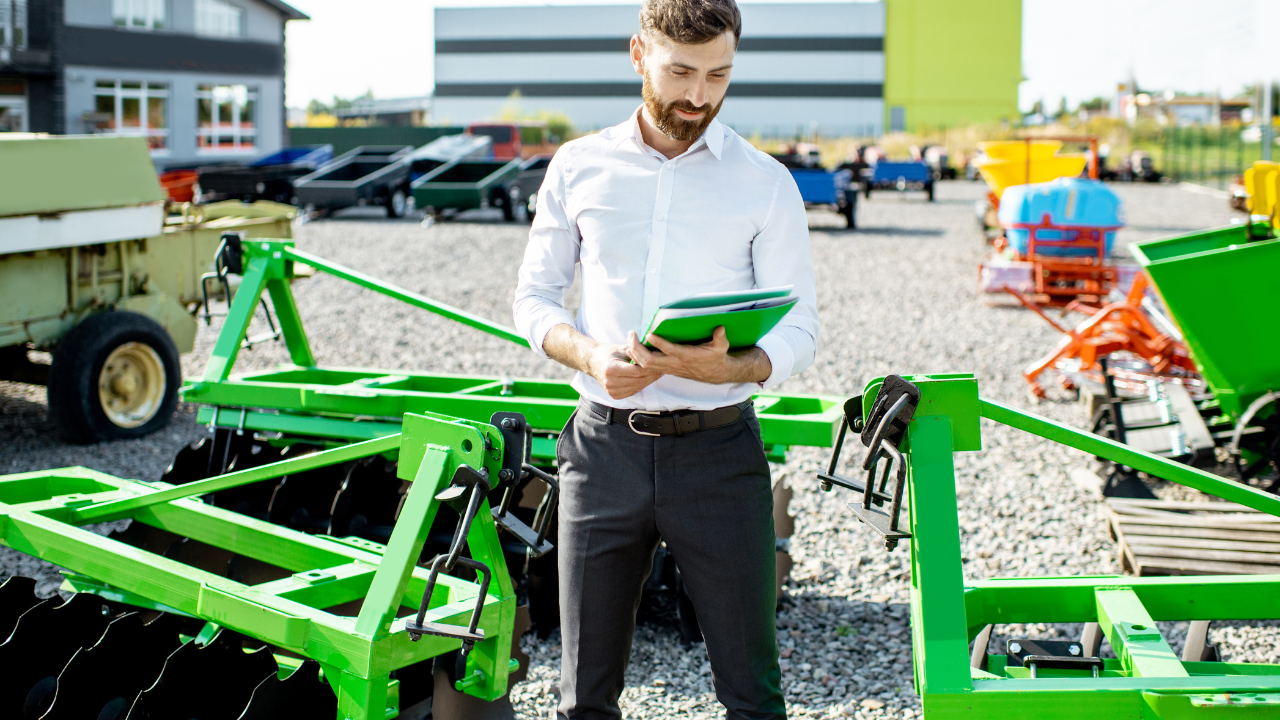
{"x": 895, "y": 296}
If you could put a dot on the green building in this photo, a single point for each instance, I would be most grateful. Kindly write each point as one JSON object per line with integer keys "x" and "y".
{"x": 951, "y": 62}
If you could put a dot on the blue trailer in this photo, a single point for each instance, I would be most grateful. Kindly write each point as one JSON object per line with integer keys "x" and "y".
{"x": 900, "y": 176}
{"x": 833, "y": 190}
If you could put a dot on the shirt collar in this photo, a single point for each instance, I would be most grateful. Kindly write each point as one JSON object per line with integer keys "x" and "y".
{"x": 713, "y": 136}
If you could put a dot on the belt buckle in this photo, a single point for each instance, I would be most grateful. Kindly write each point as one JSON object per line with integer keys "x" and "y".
{"x": 632, "y": 424}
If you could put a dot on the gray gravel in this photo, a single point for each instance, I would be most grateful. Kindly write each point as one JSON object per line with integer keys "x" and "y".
{"x": 896, "y": 296}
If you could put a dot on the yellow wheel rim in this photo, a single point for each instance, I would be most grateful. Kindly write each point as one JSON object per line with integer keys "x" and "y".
{"x": 131, "y": 385}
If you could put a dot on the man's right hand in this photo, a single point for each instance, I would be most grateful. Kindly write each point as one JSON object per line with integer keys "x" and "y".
{"x": 608, "y": 364}
{"x": 612, "y": 368}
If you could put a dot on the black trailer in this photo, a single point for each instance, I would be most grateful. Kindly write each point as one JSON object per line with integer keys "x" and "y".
{"x": 367, "y": 175}
{"x": 268, "y": 178}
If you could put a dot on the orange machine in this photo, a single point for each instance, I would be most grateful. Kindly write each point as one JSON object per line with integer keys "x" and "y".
{"x": 1123, "y": 326}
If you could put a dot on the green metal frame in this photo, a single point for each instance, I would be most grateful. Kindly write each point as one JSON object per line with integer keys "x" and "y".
{"x": 1148, "y": 680}
{"x": 41, "y": 514}
{"x": 346, "y": 404}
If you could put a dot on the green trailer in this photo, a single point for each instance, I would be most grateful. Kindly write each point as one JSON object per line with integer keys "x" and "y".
{"x": 95, "y": 268}
{"x": 1222, "y": 288}
{"x": 464, "y": 185}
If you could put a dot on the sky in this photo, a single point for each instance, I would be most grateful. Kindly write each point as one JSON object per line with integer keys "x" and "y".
{"x": 1077, "y": 49}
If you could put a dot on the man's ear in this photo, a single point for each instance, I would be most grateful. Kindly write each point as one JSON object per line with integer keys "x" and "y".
{"x": 637, "y": 54}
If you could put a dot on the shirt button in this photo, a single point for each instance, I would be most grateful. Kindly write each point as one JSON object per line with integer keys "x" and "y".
{"x": 660, "y": 218}
{"x": 653, "y": 271}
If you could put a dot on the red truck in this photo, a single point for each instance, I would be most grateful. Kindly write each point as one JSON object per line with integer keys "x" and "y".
{"x": 515, "y": 139}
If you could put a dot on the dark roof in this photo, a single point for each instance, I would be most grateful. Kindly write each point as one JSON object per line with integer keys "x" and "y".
{"x": 288, "y": 11}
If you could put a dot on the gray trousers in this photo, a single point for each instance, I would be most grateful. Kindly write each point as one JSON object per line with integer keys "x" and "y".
{"x": 708, "y": 495}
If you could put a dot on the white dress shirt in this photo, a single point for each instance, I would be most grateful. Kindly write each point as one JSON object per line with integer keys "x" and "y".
{"x": 647, "y": 231}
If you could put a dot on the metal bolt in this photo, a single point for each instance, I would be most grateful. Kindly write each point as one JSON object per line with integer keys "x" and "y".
{"x": 1074, "y": 649}
{"x": 510, "y": 424}
{"x": 1015, "y": 648}
{"x": 506, "y": 475}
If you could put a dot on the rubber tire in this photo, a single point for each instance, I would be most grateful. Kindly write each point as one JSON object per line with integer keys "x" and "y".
{"x": 503, "y": 198}
{"x": 928, "y": 188}
{"x": 392, "y": 210}
{"x": 866, "y": 191}
{"x": 77, "y": 362}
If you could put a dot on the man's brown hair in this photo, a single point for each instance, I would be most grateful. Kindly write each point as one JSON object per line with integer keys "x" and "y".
{"x": 691, "y": 22}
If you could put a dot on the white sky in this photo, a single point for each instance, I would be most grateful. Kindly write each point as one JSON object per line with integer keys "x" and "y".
{"x": 1072, "y": 48}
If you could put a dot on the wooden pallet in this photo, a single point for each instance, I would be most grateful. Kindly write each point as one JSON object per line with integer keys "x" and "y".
{"x": 1164, "y": 537}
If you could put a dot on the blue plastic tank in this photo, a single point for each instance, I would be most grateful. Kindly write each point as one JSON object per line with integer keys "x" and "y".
{"x": 1068, "y": 202}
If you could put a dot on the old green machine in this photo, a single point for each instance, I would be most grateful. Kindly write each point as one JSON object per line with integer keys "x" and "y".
{"x": 911, "y": 427}
{"x": 253, "y": 616}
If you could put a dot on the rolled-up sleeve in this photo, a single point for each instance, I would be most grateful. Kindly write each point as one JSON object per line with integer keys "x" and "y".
{"x": 549, "y": 260}
{"x": 780, "y": 256}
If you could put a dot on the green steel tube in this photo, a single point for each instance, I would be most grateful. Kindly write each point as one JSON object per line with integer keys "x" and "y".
{"x": 410, "y": 297}
{"x": 1132, "y": 457}
{"x": 98, "y": 512}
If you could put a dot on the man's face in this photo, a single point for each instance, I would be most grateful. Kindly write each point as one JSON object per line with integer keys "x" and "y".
{"x": 684, "y": 85}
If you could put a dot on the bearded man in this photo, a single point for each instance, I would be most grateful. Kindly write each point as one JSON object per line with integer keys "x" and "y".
{"x": 664, "y": 444}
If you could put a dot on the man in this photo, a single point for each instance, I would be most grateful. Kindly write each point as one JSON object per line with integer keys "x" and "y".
{"x": 664, "y": 444}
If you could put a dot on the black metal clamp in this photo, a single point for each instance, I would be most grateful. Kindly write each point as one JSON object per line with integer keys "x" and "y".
{"x": 882, "y": 434}
{"x": 517, "y": 452}
{"x": 465, "y": 479}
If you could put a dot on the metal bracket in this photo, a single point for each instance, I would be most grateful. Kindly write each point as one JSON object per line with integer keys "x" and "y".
{"x": 882, "y": 433}
{"x": 517, "y": 452}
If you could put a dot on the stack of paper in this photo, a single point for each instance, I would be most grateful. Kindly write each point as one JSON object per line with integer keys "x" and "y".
{"x": 746, "y": 316}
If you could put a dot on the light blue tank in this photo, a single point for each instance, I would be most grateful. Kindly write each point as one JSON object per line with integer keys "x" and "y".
{"x": 1068, "y": 202}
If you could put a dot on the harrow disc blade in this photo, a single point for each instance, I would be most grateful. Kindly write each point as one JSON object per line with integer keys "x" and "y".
{"x": 301, "y": 696}
{"x": 367, "y": 503}
{"x": 45, "y": 638}
{"x": 17, "y": 595}
{"x": 213, "y": 682}
{"x": 102, "y": 681}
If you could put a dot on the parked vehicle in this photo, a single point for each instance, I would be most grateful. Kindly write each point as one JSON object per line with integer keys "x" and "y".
{"x": 522, "y": 191}
{"x": 900, "y": 176}
{"x": 937, "y": 158}
{"x": 460, "y": 185}
{"x": 517, "y": 138}
{"x": 450, "y": 147}
{"x": 92, "y": 269}
{"x": 270, "y": 177}
{"x": 367, "y": 175}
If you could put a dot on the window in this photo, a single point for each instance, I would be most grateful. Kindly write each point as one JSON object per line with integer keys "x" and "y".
{"x": 132, "y": 108}
{"x": 13, "y": 105}
{"x": 139, "y": 14}
{"x": 225, "y": 118}
{"x": 219, "y": 18}
{"x": 13, "y": 23}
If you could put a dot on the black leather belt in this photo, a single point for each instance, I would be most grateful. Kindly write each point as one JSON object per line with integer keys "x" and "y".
{"x": 673, "y": 422}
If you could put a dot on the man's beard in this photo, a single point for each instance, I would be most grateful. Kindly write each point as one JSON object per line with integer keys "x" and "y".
{"x": 671, "y": 124}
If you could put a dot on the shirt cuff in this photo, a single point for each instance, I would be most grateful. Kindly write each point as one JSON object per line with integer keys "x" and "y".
{"x": 543, "y": 325}
{"x": 781, "y": 357}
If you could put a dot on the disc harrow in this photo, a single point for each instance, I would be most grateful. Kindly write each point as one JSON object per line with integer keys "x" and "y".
{"x": 197, "y": 612}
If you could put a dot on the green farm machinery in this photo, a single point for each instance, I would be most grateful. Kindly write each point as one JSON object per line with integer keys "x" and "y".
{"x": 911, "y": 428}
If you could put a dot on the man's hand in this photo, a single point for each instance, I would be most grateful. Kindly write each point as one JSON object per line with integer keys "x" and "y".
{"x": 710, "y": 362}
{"x": 612, "y": 368}
{"x": 608, "y": 364}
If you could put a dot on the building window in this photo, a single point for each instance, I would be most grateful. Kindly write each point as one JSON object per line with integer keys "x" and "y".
{"x": 13, "y": 23}
{"x": 219, "y": 18}
{"x": 13, "y": 105}
{"x": 225, "y": 116}
{"x": 139, "y": 14}
{"x": 141, "y": 109}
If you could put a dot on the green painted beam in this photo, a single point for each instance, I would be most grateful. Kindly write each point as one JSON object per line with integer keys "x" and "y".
{"x": 1132, "y": 457}
{"x": 119, "y": 508}
{"x": 408, "y": 296}
{"x": 1134, "y": 636}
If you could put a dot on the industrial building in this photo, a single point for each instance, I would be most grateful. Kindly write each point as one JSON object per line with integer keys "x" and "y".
{"x": 844, "y": 68}
{"x": 201, "y": 80}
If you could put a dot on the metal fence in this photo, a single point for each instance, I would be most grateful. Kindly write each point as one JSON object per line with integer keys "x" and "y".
{"x": 1203, "y": 155}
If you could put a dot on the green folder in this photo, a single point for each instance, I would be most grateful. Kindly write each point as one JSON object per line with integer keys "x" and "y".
{"x": 744, "y": 328}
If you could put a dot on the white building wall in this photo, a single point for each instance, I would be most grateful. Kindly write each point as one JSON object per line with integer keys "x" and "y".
{"x": 834, "y": 50}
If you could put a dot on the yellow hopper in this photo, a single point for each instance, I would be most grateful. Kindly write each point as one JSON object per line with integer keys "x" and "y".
{"x": 1019, "y": 149}
{"x": 1259, "y": 181}
{"x": 1001, "y": 174}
